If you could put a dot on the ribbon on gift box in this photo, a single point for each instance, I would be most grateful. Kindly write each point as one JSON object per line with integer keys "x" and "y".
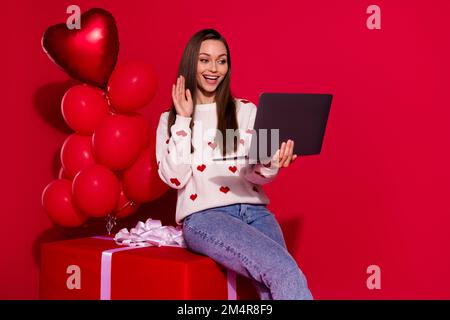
{"x": 150, "y": 233}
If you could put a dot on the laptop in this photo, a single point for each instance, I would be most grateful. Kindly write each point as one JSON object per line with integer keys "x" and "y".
{"x": 301, "y": 117}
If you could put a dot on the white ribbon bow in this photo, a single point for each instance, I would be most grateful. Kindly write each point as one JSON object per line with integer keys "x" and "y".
{"x": 151, "y": 233}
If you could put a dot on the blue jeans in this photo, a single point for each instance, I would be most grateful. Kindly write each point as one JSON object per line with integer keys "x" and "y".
{"x": 247, "y": 239}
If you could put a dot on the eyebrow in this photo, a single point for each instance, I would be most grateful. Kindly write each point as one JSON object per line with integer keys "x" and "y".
{"x": 223, "y": 54}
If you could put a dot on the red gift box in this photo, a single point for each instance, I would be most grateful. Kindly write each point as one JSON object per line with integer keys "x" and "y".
{"x": 97, "y": 268}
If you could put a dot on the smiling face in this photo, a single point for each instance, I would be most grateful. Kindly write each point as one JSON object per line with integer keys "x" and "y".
{"x": 212, "y": 67}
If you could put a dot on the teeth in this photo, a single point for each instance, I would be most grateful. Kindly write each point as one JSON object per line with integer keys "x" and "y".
{"x": 211, "y": 78}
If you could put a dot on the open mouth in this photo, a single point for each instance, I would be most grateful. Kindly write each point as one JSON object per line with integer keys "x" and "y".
{"x": 211, "y": 79}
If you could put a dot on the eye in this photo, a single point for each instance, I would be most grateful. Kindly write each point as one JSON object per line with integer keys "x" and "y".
{"x": 203, "y": 60}
{"x": 223, "y": 61}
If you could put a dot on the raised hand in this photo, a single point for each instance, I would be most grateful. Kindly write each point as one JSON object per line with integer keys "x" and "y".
{"x": 182, "y": 98}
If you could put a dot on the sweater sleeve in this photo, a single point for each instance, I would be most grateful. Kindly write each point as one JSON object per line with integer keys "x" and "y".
{"x": 173, "y": 155}
{"x": 260, "y": 173}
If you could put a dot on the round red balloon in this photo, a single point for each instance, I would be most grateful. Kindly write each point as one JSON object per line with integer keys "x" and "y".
{"x": 57, "y": 201}
{"x": 76, "y": 154}
{"x": 83, "y": 107}
{"x": 144, "y": 126}
{"x": 141, "y": 181}
{"x": 96, "y": 191}
{"x": 117, "y": 142}
{"x": 125, "y": 207}
{"x": 132, "y": 86}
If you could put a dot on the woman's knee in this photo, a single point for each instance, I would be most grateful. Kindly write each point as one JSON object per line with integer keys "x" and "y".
{"x": 199, "y": 233}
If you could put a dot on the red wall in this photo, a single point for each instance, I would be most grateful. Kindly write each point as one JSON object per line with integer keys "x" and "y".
{"x": 377, "y": 194}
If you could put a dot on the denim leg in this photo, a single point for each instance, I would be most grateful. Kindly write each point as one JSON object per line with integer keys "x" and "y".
{"x": 259, "y": 217}
{"x": 247, "y": 251}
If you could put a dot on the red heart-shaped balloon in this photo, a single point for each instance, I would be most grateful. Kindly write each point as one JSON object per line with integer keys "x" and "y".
{"x": 88, "y": 54}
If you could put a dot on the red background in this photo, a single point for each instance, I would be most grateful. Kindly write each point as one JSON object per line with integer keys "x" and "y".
{"x": 377, "y": 194}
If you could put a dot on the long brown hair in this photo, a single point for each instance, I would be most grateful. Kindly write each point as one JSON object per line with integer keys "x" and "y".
{"x": 226, "y": 108}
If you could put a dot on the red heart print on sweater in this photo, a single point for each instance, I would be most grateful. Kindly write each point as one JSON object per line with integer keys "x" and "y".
{"x": 224, "y": 189}
{"x": 181, "y": 133}
{"x": 212, "y": 145}
{"x": 267, "y": 165}
{"x": 201, "y": 168}
{"x": 175, "y": 181}
{"x": 259, "y": 173}
{"x": 242, "y": 141}
{"x": 193, "y": 196}
{"x": 249, "y": 131}
{"x": 232, "y": 168}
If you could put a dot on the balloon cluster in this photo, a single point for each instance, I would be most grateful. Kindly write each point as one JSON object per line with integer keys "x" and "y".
{"x": 108, "y": 163}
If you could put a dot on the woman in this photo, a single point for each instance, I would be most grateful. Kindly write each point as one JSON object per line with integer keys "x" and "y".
{"x": 221, "y": 205}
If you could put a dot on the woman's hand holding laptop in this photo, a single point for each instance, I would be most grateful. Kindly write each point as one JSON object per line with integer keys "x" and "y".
{"x": 284, "y": 156}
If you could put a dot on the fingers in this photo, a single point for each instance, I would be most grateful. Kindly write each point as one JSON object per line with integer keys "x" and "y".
{"x": 182, "y": 97}
{"x": 175, "y": 91}
{"x": 178, "y": 87}
{"x": 276, "y": 156}
{"x": 174, "y": 95}
{"x": 179, "y": 91}
{"x": 289, "y": 151}
{"x": 188, "y": 95}
{"x": 281, "y": 156}
{"x": 286, "y": 153}
{"x": 183, "y": 92}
